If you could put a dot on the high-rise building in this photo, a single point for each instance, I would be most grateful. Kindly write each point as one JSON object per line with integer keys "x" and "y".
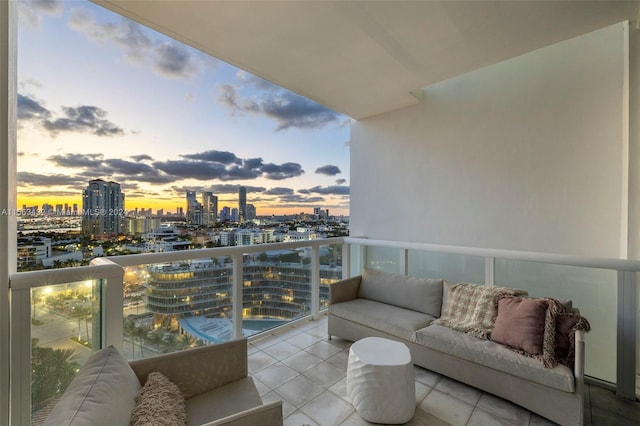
{"x": 225, "y": 214}
{"x": 194, "y": 209}
{"x": 102, "y": 208}
{"x": 242, "y": 204}
{"x": 209, "y": 208}
{"x": 250, "y": 212}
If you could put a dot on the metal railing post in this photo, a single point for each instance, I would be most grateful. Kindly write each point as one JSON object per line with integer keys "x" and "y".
{"x": 489, "y": 270}
{"x": 403, "y": 261}
{"x": 20, "y": 359}
{"x": 627, "y": 320}
{"x": 346, "y": 260}
{"x": 111, "y": 301}
{"x": 315, "y": 282}
{"x": 236, "y": 301}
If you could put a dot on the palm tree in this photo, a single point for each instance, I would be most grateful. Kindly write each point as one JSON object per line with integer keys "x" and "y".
{"x": 156, "y": 338}
{"x": 170, "y": 342}
{"x": 130, "y": 330}
{"x": 52, "y": 371}
{"x": 187, "y": 341}
{"x": 141, "y": 333}
{"x": 81, "y": 312}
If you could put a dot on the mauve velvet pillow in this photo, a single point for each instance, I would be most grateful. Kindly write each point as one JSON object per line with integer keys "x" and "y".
{"x": 520, "y": 324}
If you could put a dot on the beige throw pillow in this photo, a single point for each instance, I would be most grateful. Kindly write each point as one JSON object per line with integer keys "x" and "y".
{"x": 159, "y": 402}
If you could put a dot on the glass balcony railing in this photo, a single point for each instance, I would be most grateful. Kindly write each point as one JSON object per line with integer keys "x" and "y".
{"x": 162, "y": 302}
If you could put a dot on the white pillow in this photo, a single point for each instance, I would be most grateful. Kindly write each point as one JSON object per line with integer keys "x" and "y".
{"x": 102, "y": 393}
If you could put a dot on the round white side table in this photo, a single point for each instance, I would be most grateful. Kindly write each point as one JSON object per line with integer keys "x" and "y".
{"x": 380, "y": 380}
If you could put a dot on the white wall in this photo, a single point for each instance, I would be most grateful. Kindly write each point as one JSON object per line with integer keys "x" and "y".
{"x": 527, "y": 154}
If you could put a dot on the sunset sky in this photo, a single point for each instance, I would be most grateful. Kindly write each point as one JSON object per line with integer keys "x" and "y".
{"x": 103, "y": 97}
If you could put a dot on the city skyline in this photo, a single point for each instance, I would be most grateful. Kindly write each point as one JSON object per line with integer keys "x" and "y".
{"x": 101, "y": 97}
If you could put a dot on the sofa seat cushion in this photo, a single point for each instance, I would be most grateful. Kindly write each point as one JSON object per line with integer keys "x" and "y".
{"x": 390, "y": 319}
{"x": 417, "y": 294}
{"x": 103, "y": 392}
{"x": 224, "y": 401}
{"x": 494, "y": 355}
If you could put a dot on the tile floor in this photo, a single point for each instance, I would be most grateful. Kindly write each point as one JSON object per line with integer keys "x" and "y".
{"x": 307, "y": 372}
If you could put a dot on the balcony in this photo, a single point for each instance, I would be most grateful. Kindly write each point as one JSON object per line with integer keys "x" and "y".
{"x": 509, "y": 125}
{"x": 82, "y": 309}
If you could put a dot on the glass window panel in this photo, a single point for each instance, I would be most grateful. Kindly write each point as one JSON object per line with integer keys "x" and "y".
{"x": 383, "y": 259}
{"x": 593, "y": 291}
{"x": 174, "y": 306}
{"x": 64, "y": 332}
{"x": 452, "y": 267}
{"x": 330, "y": 270}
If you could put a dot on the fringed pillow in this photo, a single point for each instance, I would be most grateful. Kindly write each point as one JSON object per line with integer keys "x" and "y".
{"x": 566, "y": 326}
{"x": 159, "y": 402}
{"x": 473, "y": 308}
{"x": 520, "y": 329}
{"x": 520, "y": 324}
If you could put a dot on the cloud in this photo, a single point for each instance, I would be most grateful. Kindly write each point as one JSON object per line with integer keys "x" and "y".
{"x": 217, "y": 189}
{"x": 233, "y": 189}
{"x": 278, "y": 191}
{"x": 288, "y": 109}
{"x": 328, "y": 170}
{"x": 77, "y": 160}
{"x": 341, "y": 181}
{"x": 283, "y": 171}
{"x": 31, "y": 109}
{"x": 83, "y": 119}
{"x": 40, "y": 180}
{"x": 142, "y": 157}
{"x": 191, "y": 169}
{"x": 223, "y": 157}
{"x": 118, "y": 170}
{"x": 165, "y": 57}
{"x": 174, "y": 61}
{"x": 295, "y": 198}
{"x": 128, "y": 167}
{"x": 31, "y": 12}
{"x": 225, "y": 166}
{"x": 329, "y": 190}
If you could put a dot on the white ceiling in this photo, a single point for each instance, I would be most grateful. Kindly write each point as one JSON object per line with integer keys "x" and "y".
{"x": 364, "y": 58}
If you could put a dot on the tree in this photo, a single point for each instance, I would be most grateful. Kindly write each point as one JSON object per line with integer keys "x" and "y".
{"x": 263, "y": 257}
{"x": 52, "y": 371}
{"x": 187, "y": 341}
{"x": 141, "y": 333}
{"x": 130, "y": 330}
{"x": 170, "y": 342}
{"x": 156, "y": 338}
{"x": 82, "y": 312}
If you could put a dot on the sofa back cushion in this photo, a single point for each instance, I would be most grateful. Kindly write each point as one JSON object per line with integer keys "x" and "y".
{"x": 102, "y": 393}
{"x": 418, "y": 294}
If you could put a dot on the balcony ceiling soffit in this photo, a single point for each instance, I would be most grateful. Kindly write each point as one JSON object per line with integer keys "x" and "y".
{"x": 365, "y": 58}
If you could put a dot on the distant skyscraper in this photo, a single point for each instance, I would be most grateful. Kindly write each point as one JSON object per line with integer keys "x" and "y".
{"x": 242, "y": 204}
{"x": 250, "y": 212}
{"x": 225, "y": 214}
{"x": 102, "y": 208}
{"x": 194, "y": 209}
{"x": 209, "y": 208}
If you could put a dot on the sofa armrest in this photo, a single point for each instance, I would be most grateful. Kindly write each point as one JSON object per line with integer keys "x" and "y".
{"x": 198, "y": 370}
{"x": 344, "y": 290}
{"x": 265, "y": 415}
